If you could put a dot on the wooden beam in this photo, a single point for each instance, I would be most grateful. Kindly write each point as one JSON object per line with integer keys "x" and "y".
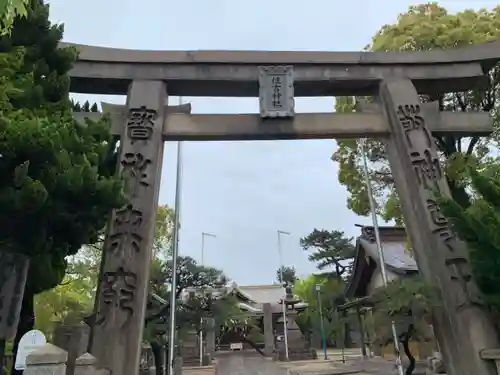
{"x": 182, "y": 126}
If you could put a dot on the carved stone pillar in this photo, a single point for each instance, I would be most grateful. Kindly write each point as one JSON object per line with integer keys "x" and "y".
{"x": 122, "y": 293}
{"x": 461, "y": 324}
{"x": 268, "y": 329}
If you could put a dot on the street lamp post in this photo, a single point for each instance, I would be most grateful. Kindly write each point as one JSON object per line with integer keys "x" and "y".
{"x": 203, "y": 235}
{"x": 380, "y": 251}
{"x": 285, "y": 328}
{"x": 320, "y": 308}
{"x": 175, "y": 254}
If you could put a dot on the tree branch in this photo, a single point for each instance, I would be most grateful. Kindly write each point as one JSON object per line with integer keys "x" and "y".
{"x": 472, "y": 144}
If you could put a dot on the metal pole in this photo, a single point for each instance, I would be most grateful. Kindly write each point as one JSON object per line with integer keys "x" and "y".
{"x": 285, "y": 328}
{"x": 202, "y": 248}
{"x": 343, "y": 334}
{"x": 380, "y": 250}
{"x": 175, "y": 254}
{"x": 203, "y": 234}
{"x": 320, "y": 306}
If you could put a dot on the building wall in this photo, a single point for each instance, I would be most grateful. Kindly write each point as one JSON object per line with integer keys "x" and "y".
{"x": 377, "y": 281}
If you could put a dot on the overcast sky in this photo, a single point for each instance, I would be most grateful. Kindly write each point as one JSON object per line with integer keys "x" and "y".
{"x": 243, "y": 192}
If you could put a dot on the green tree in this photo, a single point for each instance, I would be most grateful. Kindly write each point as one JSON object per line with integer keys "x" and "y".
{"x": 289, "y": 275}
{"x": 9, "y": 10}
{"x": 407, "y": 302}
{"x": 235, "y": 319}
{"x": 478, "y": 226}
{"x": 330, "y": 249}
{"x": 65, "y": 304}
{"x": 191, "y": 315}
{"x": 164, "y": 226}
{"x": 331, "y": 289}
{"x": 190, "y": 276}
{"x": 73, "y": 299}
{"x": 58, "y": 182}
{"x": 424, "y": 27}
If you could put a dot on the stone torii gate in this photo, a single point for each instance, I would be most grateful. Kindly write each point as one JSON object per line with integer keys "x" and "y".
{"x": 394, "y": 79}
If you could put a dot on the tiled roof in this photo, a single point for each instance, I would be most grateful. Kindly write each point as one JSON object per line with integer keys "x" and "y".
{"x": 396, "y": 257}
{"x": 257, "y": 295}
{"x": 260, "y": 294}
{"x": 395, "y": 254}
{"x": 263, "y": 293}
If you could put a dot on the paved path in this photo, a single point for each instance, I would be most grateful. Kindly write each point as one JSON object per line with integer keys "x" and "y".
{"x": 251, "y": 363}
{"x": 247, "y": 364}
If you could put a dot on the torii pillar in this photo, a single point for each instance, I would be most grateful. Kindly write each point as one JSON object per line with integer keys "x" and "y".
{"x": 461, "y": 322}
{"x": 123, "y": 281}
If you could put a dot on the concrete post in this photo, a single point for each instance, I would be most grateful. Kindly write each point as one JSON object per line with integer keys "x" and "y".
{"x": 268, "y": 329}
{"x": 47, "y": 360}
{"x": 85, "y": 365}
{"x": 210, "y": 324}
{"x": 74, "y": 339}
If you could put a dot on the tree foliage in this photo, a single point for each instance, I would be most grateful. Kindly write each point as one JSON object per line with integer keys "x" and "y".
{"x": 58, "y": 182}
{"x": 478, "y": 226}
{"x": 309, "y": 321}
{"x": 57, "y": 188}
{"x": 190, "y": 277}
{"x": 407, "y": 302}
{"x": 330, "y": 249}
{"x": 164, "y": 226}
{"x": 10, "y": 10}
{"x": 195, "y": 297}
{"x": 289, "y": 275}
{"x": 424, "y": 27}
{"x": 66, "y": 304}
{"x": 73, "y": 299}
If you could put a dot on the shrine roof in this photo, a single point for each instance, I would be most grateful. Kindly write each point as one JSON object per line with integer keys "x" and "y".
{"x": 254, "y": 296}
{"x": 396, "y": 257}
{"x": 271, "y": 293}
{"x": 260, "y": 294}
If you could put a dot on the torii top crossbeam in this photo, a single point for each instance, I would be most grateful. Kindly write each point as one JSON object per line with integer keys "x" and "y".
{"x": 102, "y": 70}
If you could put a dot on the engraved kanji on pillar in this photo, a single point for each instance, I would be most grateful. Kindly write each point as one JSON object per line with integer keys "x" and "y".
{"x": 122, "y": 293}
{"x": 461, "y": 324}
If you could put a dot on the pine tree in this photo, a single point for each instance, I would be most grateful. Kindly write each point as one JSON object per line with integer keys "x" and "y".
{"x": 478, "y": 226}
{"x": 58, "y": 183}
